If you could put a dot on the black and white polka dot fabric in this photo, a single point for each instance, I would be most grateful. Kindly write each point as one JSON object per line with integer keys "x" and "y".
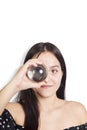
{"x": 80, "y": 127}
{"x": 7, "y": 123}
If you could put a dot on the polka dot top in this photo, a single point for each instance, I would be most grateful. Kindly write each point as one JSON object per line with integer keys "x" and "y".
{"x": 8, "y": 123}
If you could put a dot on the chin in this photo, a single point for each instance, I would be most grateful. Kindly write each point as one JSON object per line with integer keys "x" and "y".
{"x": 46, "y": 95}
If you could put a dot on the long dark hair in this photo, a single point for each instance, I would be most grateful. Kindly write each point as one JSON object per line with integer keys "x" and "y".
{"x": 27, "y": 98}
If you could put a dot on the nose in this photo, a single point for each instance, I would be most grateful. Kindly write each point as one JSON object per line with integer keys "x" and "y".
{"x": 47, "y": 78}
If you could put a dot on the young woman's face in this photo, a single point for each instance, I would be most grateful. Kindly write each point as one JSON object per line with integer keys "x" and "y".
{"x": 53, "y": 79}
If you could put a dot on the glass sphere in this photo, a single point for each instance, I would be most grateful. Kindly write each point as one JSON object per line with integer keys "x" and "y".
{"x": 38, "y": 73}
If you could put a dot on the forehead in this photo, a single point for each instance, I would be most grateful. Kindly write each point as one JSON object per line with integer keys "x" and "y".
{"x": 48, "y": 58}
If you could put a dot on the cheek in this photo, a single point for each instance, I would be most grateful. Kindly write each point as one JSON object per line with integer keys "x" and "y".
{"x": 57, "y": 80}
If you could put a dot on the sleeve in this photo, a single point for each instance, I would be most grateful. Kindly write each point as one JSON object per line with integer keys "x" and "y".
{"x": 82, "y": 127}
{"x": 79, "y": 127}
{"x": 6, "y": 121}
{"x": 85, "y": 126}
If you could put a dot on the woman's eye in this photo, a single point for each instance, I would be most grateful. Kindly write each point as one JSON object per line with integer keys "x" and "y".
{"x": 54, "y": 71}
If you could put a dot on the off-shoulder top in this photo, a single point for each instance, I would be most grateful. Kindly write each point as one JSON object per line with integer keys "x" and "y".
{"x": 7, "y": 122}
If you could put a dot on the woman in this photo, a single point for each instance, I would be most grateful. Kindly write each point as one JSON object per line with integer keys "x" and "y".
{"x": 41, "y": 105}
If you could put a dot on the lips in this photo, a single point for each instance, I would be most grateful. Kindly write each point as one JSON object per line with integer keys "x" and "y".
{"x": 46, "y": 86}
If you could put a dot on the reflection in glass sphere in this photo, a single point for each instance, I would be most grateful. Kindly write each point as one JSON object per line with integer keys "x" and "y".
{"x": 38, "y": 73}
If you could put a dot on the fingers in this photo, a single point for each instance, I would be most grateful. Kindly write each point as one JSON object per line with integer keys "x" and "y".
{"x": 33, "y": 62}
{"x": 27, "y": 83}
{"x": 23, "y": 82}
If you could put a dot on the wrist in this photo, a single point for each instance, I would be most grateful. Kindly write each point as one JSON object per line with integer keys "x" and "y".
{"x": 13, "y": 87}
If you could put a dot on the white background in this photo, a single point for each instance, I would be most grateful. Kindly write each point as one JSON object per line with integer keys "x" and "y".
{"x": 63, "y": 22}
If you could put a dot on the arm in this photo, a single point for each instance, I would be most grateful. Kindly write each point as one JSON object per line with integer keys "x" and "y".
{"x": 6, "y": 94}
{"x": 18, "y": 83}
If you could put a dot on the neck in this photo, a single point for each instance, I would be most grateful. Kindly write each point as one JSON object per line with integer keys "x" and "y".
{"x": 47, "y": 103}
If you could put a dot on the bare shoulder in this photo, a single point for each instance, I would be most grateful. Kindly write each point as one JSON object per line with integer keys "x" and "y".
{"x": 14, "y": 107}
{"x": 78, "y": 109}
{"x": 17, "y": 112}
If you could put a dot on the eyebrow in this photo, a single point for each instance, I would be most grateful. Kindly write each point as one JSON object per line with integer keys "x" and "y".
{"x": 55, "y": 66}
